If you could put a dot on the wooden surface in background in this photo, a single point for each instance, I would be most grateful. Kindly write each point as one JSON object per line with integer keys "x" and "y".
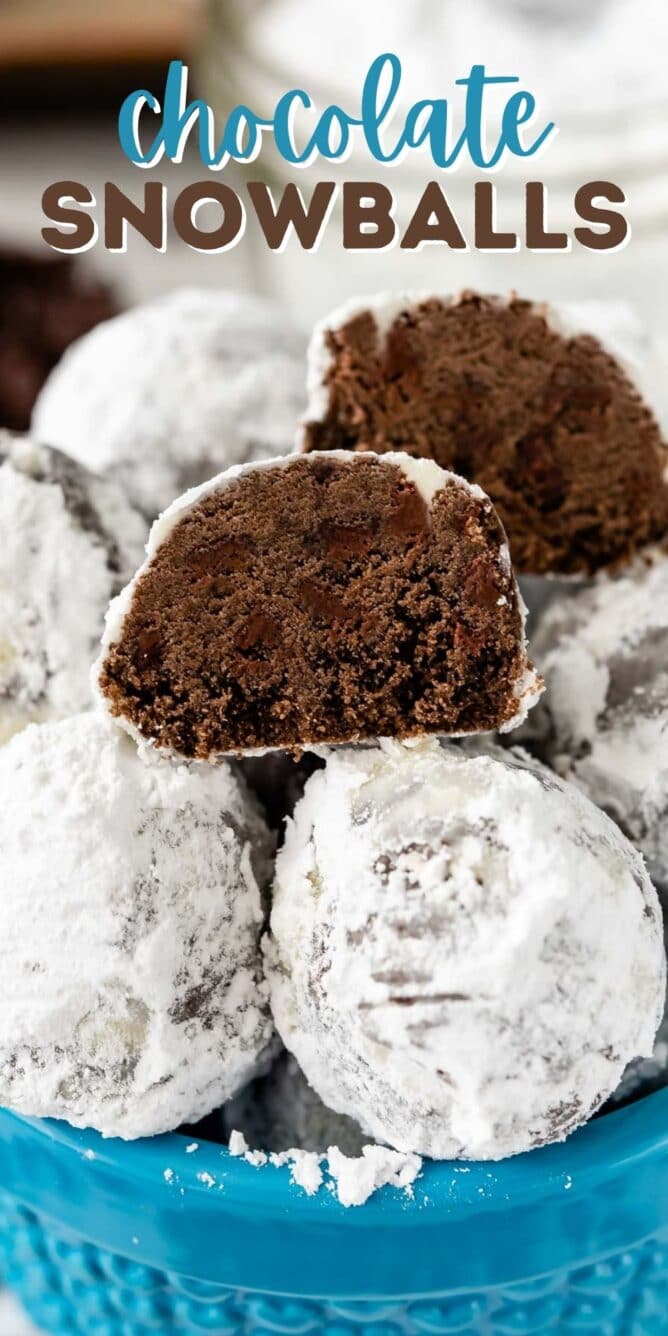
{"x": 48, "y": 34}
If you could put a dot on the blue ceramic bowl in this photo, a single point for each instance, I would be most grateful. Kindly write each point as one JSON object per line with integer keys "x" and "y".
{"x": 108, "y": 1238}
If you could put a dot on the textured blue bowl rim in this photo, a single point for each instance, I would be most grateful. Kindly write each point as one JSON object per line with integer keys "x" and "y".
{"x": 606, "y": 1146}
{"x": 469, "y": 1227}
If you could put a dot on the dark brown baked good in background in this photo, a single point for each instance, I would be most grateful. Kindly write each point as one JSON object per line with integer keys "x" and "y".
{"x": 46, "y": 302}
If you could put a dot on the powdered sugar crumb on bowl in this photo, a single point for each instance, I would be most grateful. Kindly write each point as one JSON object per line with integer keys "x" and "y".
{"x": 352, "y": 1179}
{"x": 207, "y": 1179}
{"x": 239, "y": 1147}
{"x": 305, "y": 1171}
{"x": 377, "y": 1167}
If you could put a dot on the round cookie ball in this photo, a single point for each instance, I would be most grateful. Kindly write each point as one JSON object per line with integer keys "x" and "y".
{"x": 132, "y": 997}
{"x": 465, "y": 953}
{"x": 279, "y": 1111}
{"x": 603, "y": 721}
{"x": 70, "y": 540}
{"x": 168, "y": 394}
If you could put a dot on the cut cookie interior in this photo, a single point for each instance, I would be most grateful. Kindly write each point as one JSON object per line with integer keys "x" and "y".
{"x": 513, "y": 396}
{"x": 319, "y": 599}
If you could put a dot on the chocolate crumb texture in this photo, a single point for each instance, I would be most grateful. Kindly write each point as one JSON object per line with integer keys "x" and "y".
{"x": 319, "y": 599}
{"x": 512, "y": 396}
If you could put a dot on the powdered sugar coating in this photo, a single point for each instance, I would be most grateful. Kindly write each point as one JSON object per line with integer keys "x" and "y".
{"x": 424, "y": 474}
{"x": 604, "y": 720}
{"x": 70, "y": 540}
{"x": 132, "y": 994}
{"x": 465, "y": 953}
{"x": 170, "y": 392}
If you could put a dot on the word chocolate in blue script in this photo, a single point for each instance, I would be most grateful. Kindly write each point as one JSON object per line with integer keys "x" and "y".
{"x": 489, "y": 120}
{"x": 302, "y": 133}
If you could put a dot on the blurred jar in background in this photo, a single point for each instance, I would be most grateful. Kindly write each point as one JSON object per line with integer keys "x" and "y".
{"x": 596, "y": 67}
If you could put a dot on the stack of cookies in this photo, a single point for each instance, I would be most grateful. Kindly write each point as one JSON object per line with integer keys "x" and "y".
{"x": 459, "y": 943}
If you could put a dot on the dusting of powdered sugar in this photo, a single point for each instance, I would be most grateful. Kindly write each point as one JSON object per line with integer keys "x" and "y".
{"x": 70, "y": 541}
{"x": 603, "y": 722}
{"x": 133, "y": 990}
{"x": 352, "y": 1179}
{"x": 465, "y": 953}
{"x": 165, "y": 395}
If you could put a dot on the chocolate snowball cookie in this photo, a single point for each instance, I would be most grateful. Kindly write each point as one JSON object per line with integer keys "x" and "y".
{"x": 465, "y": 952}
{"x": 604, "y": 720}
{"x": 319, "y": 599}
{"x": 70, "y": 541}
{"x": 171, "y": 392}
{"x": 518, "y": 396}
{"x": 131, "y": 991}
